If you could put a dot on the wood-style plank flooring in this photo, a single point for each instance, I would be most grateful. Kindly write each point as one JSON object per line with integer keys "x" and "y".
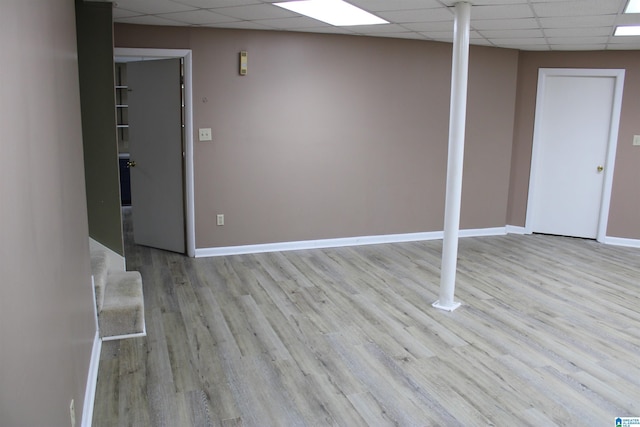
{"x": 548, "y": 334}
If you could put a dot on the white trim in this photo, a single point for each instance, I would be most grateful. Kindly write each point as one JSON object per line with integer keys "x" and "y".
{"x": 341, "y": 242}
{"x": 611, "y": 154}
{"x": 620, "y": 241}
{"x": 122, "y": 337}
{"x": 483, "y": 232}
{"x": 514, "y": 229}
{"x": 543, "y": 73}
{"x": 144, "y": 53}
{"x": 92, "y": 382}
{"x": 450, "y": 307}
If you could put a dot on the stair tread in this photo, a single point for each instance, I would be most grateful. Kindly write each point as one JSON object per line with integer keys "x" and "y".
{"x": 123, "y": 286}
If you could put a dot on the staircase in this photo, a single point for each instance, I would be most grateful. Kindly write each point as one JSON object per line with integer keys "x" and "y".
{"x": 119, "y": 299}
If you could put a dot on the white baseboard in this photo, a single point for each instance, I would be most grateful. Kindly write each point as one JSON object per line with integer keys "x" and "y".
{"x": 483, "y": 232}
{"x": 514, "y": 229}
{"x": 341, "y": 242}
{"x": 116, "y": 261}
{"x": 620, "y": 241}
{"x": 92, "y": 382}
{"x": 122, "y": 337}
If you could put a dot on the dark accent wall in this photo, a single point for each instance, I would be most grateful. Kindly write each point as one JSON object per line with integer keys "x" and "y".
{"x": 47, "y": 322}
{"x": 95, "y": 57}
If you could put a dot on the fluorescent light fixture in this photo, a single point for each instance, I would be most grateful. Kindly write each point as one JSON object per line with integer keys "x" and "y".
{"x": 333, "y": 12}
{"x": 630, "y": 30}
{"x": 633, "y": 6}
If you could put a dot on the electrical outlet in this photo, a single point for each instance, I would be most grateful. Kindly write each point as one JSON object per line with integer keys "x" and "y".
{"x": 220, "y": 219}
{"x": 72, "y": 413}
{"x": 204, "y": 134}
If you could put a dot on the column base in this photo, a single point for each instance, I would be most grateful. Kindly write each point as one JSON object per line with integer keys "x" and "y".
{"x": 449, "y": 307}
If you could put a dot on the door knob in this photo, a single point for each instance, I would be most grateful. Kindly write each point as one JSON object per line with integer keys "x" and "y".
{"x": 131, "y": 164}
{"x": 600, "y": 168}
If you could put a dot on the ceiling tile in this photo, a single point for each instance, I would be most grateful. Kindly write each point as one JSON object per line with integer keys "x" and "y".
{"x": 382, "y": 5}
{"x": 501, "y": 12}
{"x": 243, "y": 25}
{"x": 417, "y": 15}
{"x": 448, "y": 35}
{"x": 297, "y": 22}
{"x": 376, "y": 29}
{"x": 521, "y": 24}
{"x": 198, "y": 17}
{"x": 628, "y": 19}
{"x": 576, "y": 8}
{"x": 578, "y": 32}
{"x": 430, "y": 26}
{"x": 329, "y": 29}
{"x": 210, "y": 4}
{"x": 150, "y": 20}
{"x": 525, "y": 41}
{"x": 501, "y": 34}
{"x": 123, "y": 13}
{"x": 474, "y": 3}
{"x": 577, "y": 40}
{"x": 625, "y": 45}
{"x": 254, "y": 12}
{"x": 152, "y": 7}
{"x": 504, "y": 24}
{"x": 570, "y": 47}
{"x": 578, "y": 21}
{"x": 521, "y": 46}
{"x": 407, "y": 35}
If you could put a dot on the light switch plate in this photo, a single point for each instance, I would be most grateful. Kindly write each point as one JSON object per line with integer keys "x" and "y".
{"x": 204, "y": 134}
{"x": 636, "y": 139}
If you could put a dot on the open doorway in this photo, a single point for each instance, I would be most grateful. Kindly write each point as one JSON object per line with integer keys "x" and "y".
{"x": 161, "y": 217}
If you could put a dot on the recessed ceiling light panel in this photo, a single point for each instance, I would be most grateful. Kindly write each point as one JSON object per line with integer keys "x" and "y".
{"x": 627, "y": 30}
{"x": 633, "y": 6}
{"x": 333, "y": 12}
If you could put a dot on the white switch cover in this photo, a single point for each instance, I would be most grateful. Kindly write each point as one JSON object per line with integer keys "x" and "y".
{"x": 204, "y": 134}
{"x": 220, "y": 219}
{"x": 636, "y": 139}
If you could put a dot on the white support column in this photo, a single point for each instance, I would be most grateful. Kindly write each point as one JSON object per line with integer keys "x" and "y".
{"x": 458, "y": 113}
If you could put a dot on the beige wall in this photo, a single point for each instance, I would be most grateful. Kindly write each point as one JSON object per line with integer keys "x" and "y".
{"x": 625, "y": 199}
{"x": 46, "y": 308}
{"x": 336, "y": 136}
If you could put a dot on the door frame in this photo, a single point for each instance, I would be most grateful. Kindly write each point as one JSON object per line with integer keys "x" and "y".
{"x": 189, "y": 208}
{"x": 612, "y": 143}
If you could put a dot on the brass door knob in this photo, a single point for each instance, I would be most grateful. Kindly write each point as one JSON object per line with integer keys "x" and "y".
{"x": 131, "y": 164}
{"x": 600, "y": 168}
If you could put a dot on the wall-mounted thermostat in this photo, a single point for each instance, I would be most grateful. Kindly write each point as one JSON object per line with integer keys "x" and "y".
{"x": 243, "y": 62}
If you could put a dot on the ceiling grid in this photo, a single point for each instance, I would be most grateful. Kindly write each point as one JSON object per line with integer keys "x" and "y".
{"x": 517, "y": 24}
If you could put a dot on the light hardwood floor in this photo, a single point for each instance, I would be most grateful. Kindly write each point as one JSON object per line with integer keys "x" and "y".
{"x": 548, "y": 334}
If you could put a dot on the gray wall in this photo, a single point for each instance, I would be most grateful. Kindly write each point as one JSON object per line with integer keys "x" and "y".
{"x": 95, "y": 56}
{"x": 336, "y": 136}
{"x": 46, "y": 306}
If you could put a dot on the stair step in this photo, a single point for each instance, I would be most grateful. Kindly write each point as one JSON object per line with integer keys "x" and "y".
{"x": 122, "y": 311}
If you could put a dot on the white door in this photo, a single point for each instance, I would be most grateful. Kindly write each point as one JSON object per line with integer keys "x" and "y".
{"x": 156, "y": 150}
{"x": 575, "y": 135}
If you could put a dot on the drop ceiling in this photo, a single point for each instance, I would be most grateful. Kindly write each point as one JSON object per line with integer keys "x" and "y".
{"x": 518, "y": 24}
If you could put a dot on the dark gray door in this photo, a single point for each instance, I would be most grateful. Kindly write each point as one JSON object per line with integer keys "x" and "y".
{"x": 155, "y": 145}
